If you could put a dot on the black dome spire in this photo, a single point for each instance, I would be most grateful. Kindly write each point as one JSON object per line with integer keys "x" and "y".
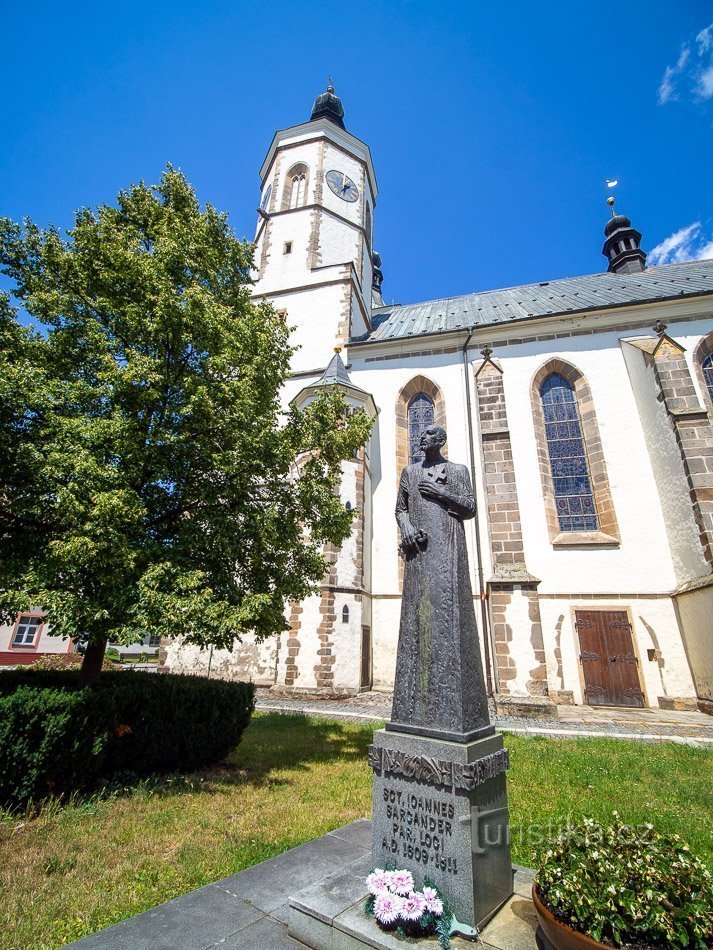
{"x": 328, "y": 106}
{"x": 622, "y": 247}
{"x": 615, "y": 222}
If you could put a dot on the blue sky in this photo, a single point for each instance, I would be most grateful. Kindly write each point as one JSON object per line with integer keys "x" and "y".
{"x": 492, "y": 125}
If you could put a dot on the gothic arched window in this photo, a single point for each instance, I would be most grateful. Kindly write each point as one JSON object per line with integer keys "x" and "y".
{"x": 298, "y": 191}
{"x": 295, "y": 191}
{"x": 367, "y": 224}
{"x": 420, "y": 417}
{"x": 345, "y": 614}
{"x": 574, "y": 498}
{"x": 707, "y": 368}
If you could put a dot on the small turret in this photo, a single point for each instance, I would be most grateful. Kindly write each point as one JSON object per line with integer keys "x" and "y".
{"x": 622, "y": 245}
{"x": 377, "y": 279}
{"x": 328, "y": 106}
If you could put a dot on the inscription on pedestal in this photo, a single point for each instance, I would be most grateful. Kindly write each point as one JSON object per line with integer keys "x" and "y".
{"x": 420, "y": 829}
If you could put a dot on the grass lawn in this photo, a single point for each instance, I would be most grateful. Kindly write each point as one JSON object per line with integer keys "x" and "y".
{"x": 74, "y": 869}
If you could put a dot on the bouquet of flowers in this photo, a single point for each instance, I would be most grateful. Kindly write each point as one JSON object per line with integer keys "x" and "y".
{"x": 395, "y": 905}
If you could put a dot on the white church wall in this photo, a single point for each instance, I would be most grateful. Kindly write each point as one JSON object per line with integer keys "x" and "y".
{"x": 386, "y": 614}
{"x": 248, "y": 660}
{"x": 347, "y": 559}
{"x": 358, "y": 323}
{"x": 310, "y": 620}
{"x": 642, "y": 561}
{"x": 517, "y": 617}
{"x": 695, "y": 609}
{"x": 347, "y": 643}
{"x": 677, "y": 516}
{"x": 338, "y": 243}
{"x": 285, "y": 268}
{"x": 315, "y": 314}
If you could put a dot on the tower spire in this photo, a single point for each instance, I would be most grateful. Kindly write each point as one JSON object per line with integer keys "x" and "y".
{"x": 622, "y": 244}
{"x": 328, "y": 106}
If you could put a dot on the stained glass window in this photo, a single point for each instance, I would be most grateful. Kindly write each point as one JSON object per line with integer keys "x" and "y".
{"x": 574, "y": 499}
{"x": 708, "y": 374}
{"x": 420, "y": 417}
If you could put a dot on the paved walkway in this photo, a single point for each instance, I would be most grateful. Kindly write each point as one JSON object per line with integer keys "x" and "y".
{"x": 324, "y": 880}
{"x": 649, "y": 725}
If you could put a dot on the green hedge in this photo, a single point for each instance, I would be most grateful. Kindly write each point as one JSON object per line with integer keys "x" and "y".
{"x": 56, "y": 737}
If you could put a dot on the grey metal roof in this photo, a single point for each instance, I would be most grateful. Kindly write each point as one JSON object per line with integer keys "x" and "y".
{"x": 549, "y": 298}
{"x": 336, "y": 374}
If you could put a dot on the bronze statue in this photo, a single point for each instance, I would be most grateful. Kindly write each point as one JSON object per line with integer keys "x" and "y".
{"x": 439, "y": 688}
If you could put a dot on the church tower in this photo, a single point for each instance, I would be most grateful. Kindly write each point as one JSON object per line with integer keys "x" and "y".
{"x": 314, "y": 232}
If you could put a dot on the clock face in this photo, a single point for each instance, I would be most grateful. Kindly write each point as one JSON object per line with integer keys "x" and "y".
{"x": 342, "y": 186}
{"x": 266, "y": 197}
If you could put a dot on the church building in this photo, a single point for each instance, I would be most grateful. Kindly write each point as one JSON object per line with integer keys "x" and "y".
{"x": 583, "y": 408}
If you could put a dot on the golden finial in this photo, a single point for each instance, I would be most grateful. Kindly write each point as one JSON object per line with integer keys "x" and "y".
{"x": 337, "y": 350}
{"x": 611, "y": 183}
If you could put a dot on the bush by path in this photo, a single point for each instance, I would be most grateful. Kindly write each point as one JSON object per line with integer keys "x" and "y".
{"x": 56, "y": 738}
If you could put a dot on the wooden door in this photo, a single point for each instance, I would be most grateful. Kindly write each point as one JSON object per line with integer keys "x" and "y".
{"x": 623, "y": 662}
{"x": 609, "y": 664}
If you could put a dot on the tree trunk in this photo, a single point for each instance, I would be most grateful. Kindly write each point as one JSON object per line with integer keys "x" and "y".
{"x": 92, "y": 662}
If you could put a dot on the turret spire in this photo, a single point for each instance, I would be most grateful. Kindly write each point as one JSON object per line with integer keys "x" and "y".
{"x": 622, "y": 245}
{"x": 328, "y": 106}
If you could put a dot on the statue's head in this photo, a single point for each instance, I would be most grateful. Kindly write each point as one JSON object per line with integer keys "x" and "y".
{"x": 433, "y": 437}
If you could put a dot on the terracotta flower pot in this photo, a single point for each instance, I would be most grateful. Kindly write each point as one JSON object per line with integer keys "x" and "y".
{"x": 560, "y": 935}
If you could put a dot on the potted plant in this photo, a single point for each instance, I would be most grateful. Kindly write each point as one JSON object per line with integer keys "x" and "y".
{"x": 622, "y": 886}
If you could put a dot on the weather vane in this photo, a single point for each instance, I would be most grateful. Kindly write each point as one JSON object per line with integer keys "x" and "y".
{"x": 611, "y": 183}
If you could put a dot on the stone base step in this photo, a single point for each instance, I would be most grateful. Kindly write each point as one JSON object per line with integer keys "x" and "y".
{"x": 329, "y": 915}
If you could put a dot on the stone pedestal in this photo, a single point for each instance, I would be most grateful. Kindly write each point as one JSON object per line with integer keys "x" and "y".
{"x": 440, "y": 811}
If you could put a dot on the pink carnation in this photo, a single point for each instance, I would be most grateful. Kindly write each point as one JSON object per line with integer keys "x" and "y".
{"x": 401, "y": 882}
{"x": 413, "y": 906}
{"x": 379, "y": 880}
{"x": 387, "y": 907}
{"x": 433, "y": 902}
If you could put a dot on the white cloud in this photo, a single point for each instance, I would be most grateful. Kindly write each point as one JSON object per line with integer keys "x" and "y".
{"x": 686, "y": 244}
{"x": 705, "y": 39}
{"x": 666, "y": 89}
{"x": 704, "y": 85}
{"x": 692, "y": 73}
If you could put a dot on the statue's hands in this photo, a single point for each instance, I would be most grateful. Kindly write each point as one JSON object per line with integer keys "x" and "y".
{"x": 431, "y": 489}
{"x": 409, "y": 537}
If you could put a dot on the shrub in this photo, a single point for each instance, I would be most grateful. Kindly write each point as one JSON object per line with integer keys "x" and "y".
{"x": 111, "y": 653}
{"x": 51, "y": 740}
{"x": 56, "y": 737}
{"x": 64, "y": 661}
{"x": 625, "y": 885}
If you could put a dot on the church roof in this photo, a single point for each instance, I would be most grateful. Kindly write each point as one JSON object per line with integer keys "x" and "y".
{"x": 546, "y": 299}
{"x": 335, "y": 373}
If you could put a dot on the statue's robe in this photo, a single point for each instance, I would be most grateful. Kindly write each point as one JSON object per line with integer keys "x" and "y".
{"x": 439, "y": 686}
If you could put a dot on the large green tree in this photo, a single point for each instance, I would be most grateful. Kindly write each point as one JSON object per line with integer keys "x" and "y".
{"x": 149, "y": 480}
